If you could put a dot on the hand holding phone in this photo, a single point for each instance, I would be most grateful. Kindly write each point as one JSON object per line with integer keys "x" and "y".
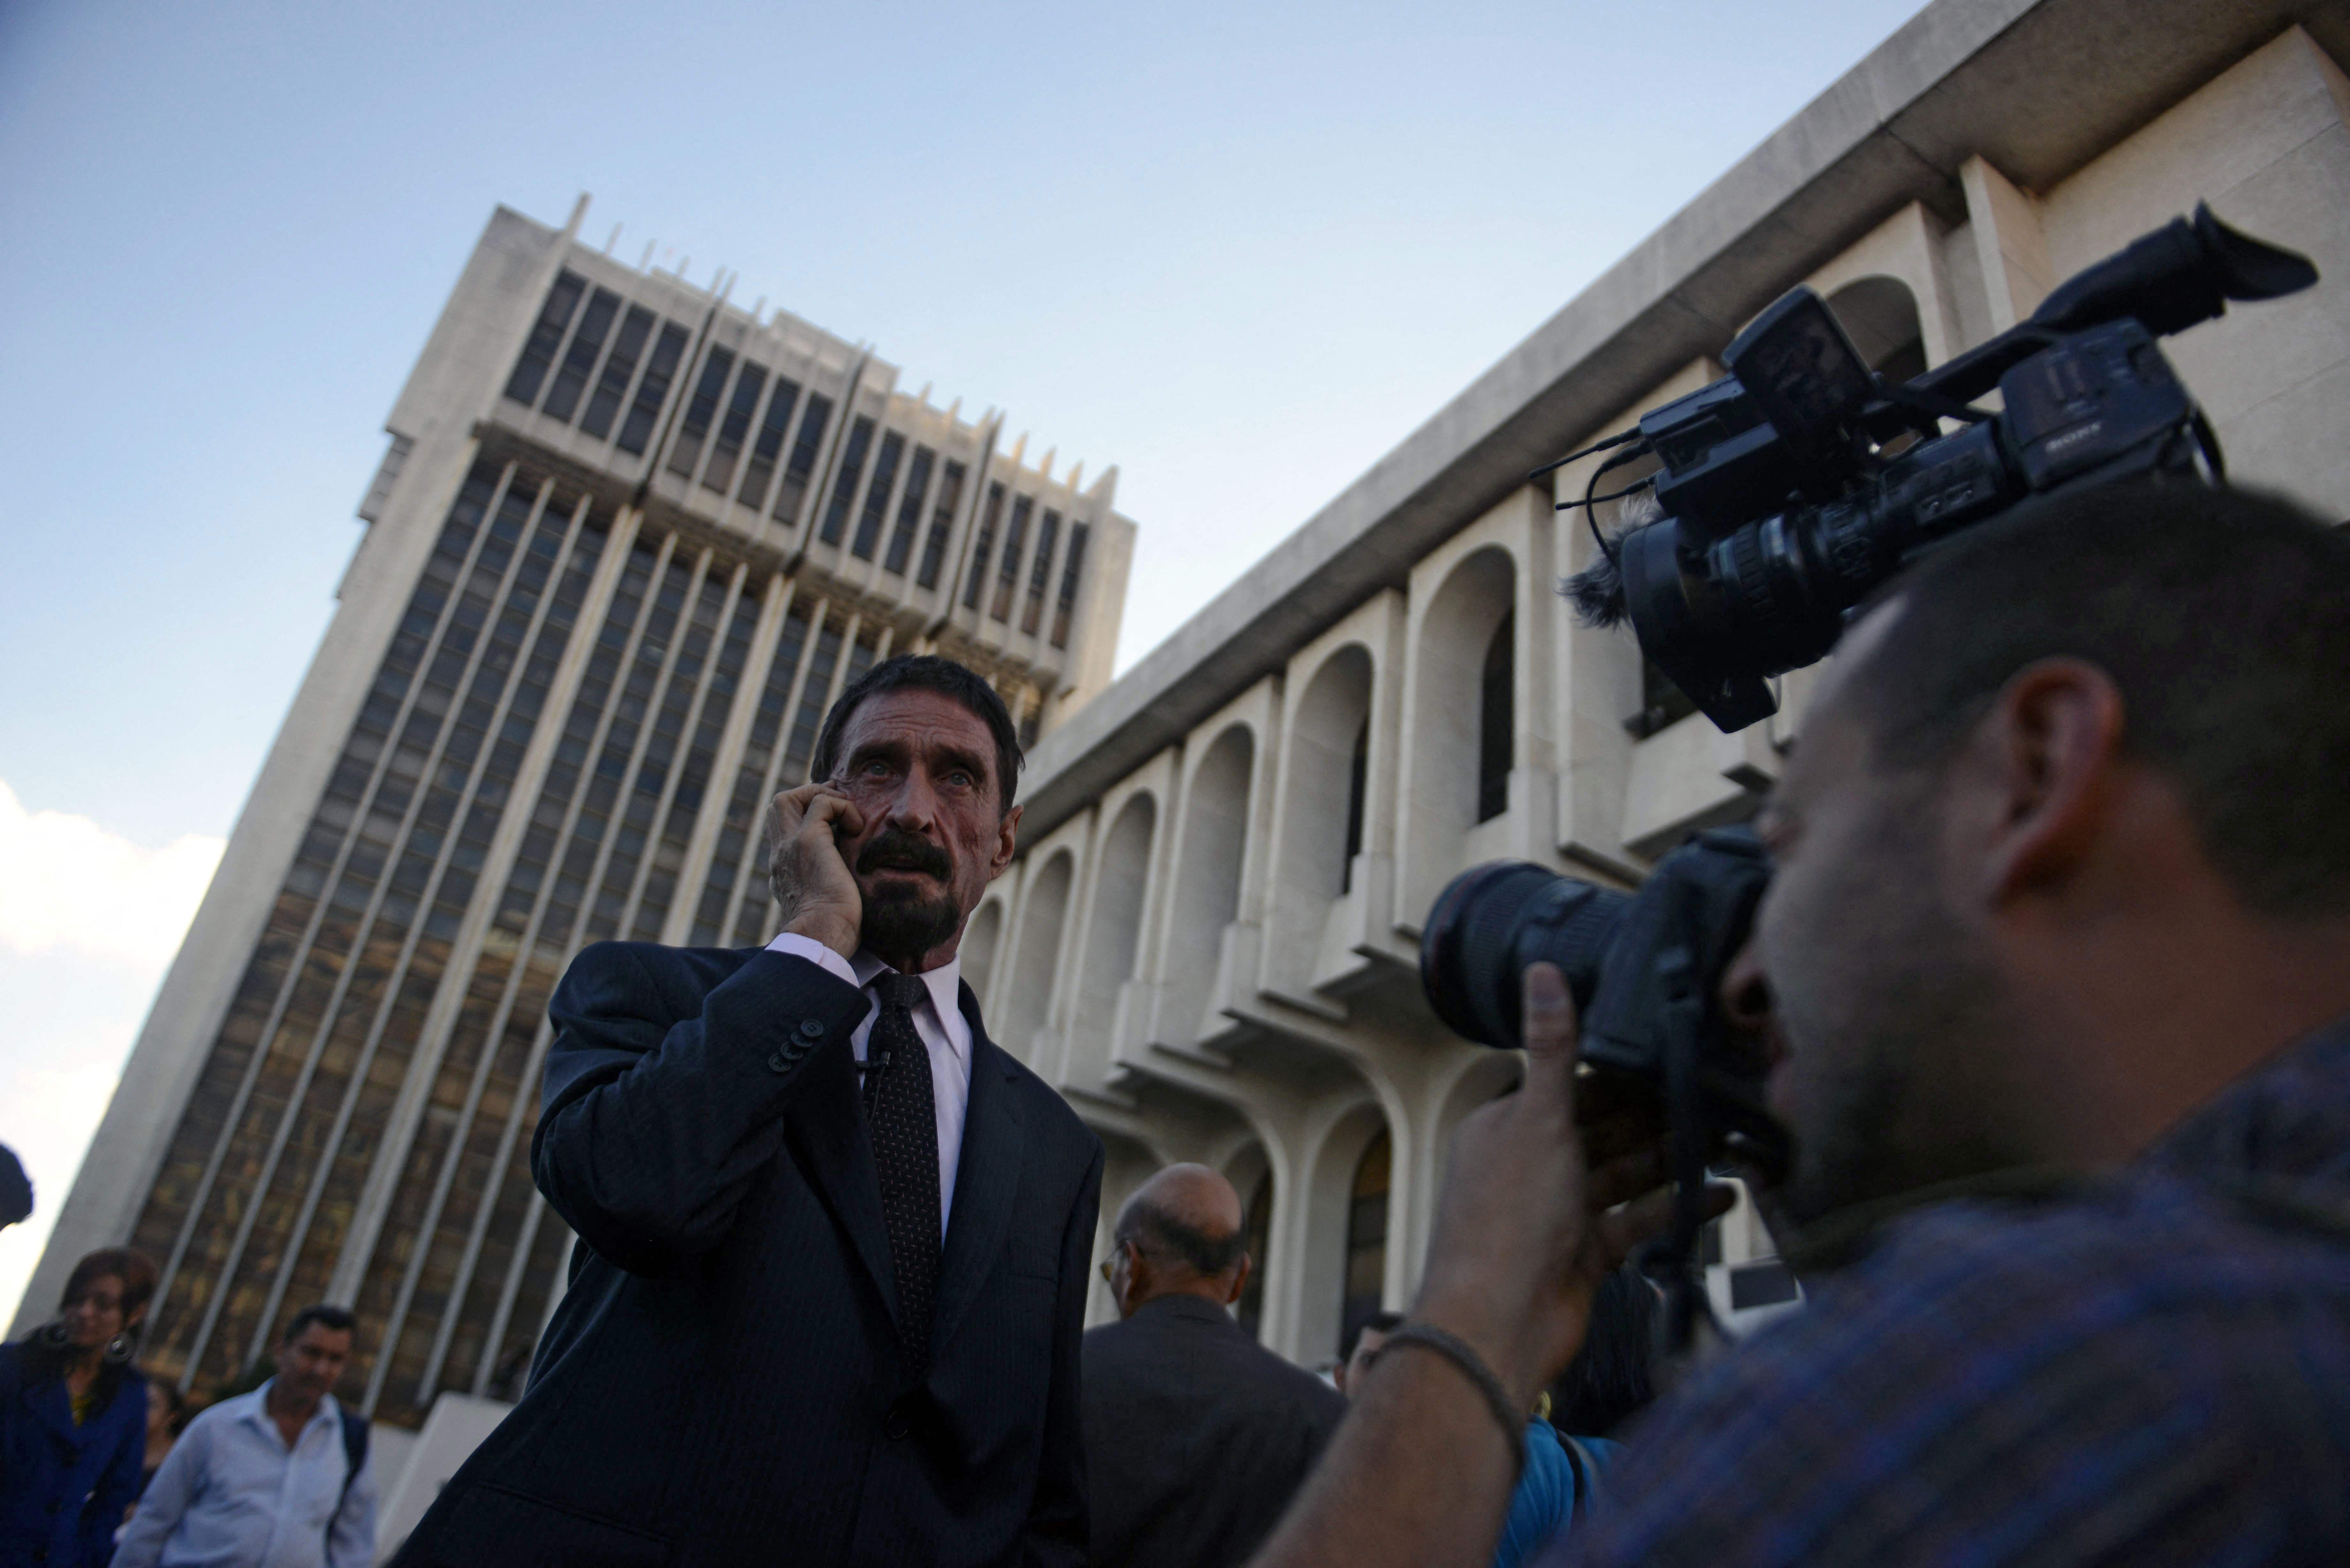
{"x": 815, "y": 895}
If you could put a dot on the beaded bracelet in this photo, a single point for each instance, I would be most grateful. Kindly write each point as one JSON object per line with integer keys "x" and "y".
{"x": 1427, "y": 1337}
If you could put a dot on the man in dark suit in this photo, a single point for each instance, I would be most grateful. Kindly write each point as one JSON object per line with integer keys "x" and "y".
{"x": 827, "y": 1296}
{"x": 1195, "y": 1436}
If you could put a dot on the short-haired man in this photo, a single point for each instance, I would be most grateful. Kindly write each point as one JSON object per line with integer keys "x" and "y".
{"x": 1195, "y": 1436}
{"x": 275, "y": 1478}
{"x": 833, "y": 1241}
{"x": 2059, "y": 946}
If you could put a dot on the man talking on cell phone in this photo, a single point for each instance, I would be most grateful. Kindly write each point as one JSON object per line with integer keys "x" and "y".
{"x": 833, "y": 1242}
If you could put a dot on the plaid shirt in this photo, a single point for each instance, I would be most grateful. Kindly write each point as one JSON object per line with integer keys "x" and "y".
{"x": 2151, "y": 1369}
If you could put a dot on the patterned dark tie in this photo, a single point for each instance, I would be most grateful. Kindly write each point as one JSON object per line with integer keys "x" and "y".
{"x": 904, "y": 1121}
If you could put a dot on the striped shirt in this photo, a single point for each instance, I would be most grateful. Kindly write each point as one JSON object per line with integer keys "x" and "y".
{"x": 2152, "y": 1368}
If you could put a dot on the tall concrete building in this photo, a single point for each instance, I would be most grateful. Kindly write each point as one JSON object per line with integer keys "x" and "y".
{"x": 626, "y": 543}
{"x": 1209, "y": 941}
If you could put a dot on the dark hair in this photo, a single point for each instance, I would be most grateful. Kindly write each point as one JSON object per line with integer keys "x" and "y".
{"x": 1378, "y": 1322}
{"x": 335, "y": 1319}
{"x": 1166, "y": 1238}
{"x": 135, "y": 1270}
{"x": 2224, "y": 618}
{"x": 927, "y": 672}
{"x": 1608, "y": 1383}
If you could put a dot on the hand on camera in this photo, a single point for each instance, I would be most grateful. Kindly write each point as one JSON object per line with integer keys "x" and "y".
{"x": 1528, "y": 1224}
{"x": 815, "y": 895}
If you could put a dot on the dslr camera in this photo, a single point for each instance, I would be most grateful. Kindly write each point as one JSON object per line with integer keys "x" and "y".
{"x": 1790, "y": 488}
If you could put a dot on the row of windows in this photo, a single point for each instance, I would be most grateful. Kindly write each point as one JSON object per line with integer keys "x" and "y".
{"x": 728, "y": 400}
{"x": 259, "y": 1183}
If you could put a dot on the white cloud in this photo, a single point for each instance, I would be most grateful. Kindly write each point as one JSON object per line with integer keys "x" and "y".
{"x": 88, "y": 922}
{"x": 66, "y": 882}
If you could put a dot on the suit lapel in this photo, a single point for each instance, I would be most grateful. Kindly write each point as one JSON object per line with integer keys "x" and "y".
{"x": 826, "y": 1130}
{"x": 987, "y": 1179}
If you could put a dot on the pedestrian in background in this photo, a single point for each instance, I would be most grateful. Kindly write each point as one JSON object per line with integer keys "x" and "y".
{"x": 167, "y": 1417}
{"x": 275, "y": 1478}
{"x": 73, "y": 1418}
{"x": 1195, "y": 1436}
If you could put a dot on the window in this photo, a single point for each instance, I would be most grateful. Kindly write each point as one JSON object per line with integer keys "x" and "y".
{"x": 802, "y": 467}
{"x": 1031, "y": 708}
{"x": 579, "y": 361}
{"x": 539, "y": 351}
{"x": 613, "y": 384}
{"x": 1000, "y": 607}
{"x": 734, "y": 427}
{"x": 1366, "y": 1240}
{"x": 685, "y": 452}
{"x": 1496, "y": 720}
{"x": 934, "y": 549}
{"x": 770, "y": 444}
{"x": 910, "y": 511}
{"x": 977, "y": 577}
{"x": 1359, "y": 775}
{"x": 843, "y": 486}
{"x": 877, "y": 496}
{"x": 653, "y": 390}
{"x": 1041, "y": 572}
{"x": 1070, "y": 568}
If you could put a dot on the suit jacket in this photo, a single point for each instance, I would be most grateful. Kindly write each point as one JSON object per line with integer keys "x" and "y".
{"x": 63, "y": 1488}
{"x": 723, "y": 1382}
{"x": 1195, "y": 1436}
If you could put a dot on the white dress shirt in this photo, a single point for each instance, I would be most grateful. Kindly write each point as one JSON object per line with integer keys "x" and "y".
{"x": 231, "y": 1494}
{"x": 944, "y": 1031}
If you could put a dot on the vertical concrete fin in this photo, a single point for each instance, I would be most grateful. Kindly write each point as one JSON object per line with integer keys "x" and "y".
{"x": 2016, "y": 274}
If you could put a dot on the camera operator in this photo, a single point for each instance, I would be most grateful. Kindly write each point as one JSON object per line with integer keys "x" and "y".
{"x": 2058, "y": 947}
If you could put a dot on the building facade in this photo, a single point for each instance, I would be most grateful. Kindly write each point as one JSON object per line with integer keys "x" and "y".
{"x": 626, "y": 543}
{"x": 1210, "y": 939}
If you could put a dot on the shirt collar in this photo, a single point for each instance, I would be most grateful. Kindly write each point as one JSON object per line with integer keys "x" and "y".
{"x": 257, "y": 1407}
{"x": 944, "y": 984}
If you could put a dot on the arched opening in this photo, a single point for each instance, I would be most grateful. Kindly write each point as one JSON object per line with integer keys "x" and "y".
{"x": 1367, "y": 1238}
{"x": 1122, "y": 875}
{"x": 1330, "y": 751}
{"x": 1251, "y": 1173}
{"x": 1258, "y": 1229}
{"x": 1208, "y": 884}
{"x": 1039, "y": 948}
{"x": 1454, "y": 774}
{"x": 979, "y": 943}
{"x": 1497, "y": 712}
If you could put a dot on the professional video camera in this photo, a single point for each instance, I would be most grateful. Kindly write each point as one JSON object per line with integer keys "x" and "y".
{"x": 1790, "y": 488}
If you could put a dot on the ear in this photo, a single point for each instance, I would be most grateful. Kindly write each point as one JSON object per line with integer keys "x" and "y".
{"x": 2048, "y": 755}
{"x": 1007, "y": 842}
{"x": 1240, "y": 1279}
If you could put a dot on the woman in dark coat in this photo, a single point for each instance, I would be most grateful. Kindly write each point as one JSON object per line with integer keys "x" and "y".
{"x": 73, "y": 1419}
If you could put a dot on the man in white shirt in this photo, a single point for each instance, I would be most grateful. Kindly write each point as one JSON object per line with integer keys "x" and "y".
{"x": 834, "y": 1242}
{"x": 275, "y": 1478}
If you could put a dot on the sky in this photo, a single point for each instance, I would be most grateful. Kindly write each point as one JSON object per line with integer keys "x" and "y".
{"x": 1240, "y": 251}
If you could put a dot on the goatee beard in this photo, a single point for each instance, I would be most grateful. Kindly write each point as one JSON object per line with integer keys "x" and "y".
{"x": 902, "y": 925}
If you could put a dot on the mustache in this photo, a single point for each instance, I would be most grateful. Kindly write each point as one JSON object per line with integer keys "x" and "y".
{"x": 895, "y": 848}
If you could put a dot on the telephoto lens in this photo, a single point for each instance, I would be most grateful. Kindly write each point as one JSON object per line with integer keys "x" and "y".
{"x": 1492, "y": 921}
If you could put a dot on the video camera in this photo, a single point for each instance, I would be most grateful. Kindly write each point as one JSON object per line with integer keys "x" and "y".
{"x": 1792, "y": 488}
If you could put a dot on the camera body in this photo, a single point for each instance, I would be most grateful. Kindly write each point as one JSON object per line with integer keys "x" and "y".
{"x": 1798, "y": 483}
